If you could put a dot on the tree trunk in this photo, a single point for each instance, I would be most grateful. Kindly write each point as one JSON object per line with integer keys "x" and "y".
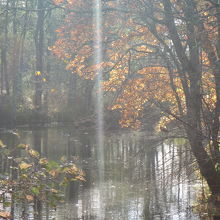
{"x": 191, "y": 66}
{"x": 39, "y": 43}
{"x": 15, "y": 63}
{"x": 205, "y": 164}
{"x": 4, "y": 60}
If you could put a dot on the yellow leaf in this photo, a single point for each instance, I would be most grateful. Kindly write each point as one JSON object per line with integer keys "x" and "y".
{"x": 5, "y": 215}
{"x": 44, "y": 79}
{"x": 24, "y": 166}
{"x": 37, "y": 73}
{"x": 24, "y": 176}
{"x": 81, "y": 178}
{"x": 54, "y": 191}
{"x": 43, "y": 161}
{"x": 71, "y": 170}
{"x": 117, "y": 106}
{"x": 34, "y": 153}
{"x": 1, "y": 144}
{"x": 23, "y": 146}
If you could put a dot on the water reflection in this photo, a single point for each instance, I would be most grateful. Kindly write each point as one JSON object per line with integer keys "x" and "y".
{"x": 143, "y": 178}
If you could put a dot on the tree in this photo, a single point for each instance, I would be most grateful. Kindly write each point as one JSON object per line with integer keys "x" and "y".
{"x": 39, "y": 43}
{"x": 164, "y": 52}
{"x": 4, "y": 53}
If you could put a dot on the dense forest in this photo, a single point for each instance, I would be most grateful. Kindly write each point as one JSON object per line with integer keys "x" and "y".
{"x": 152, "y": 65}
{"x": 35, "y": 85}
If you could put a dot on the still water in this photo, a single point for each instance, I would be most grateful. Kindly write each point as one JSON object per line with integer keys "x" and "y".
{"x": 144, "y": 179}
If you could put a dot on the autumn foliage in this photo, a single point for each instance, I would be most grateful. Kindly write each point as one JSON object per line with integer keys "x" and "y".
{"x": 163, "y": 52}
{"x": 134, "y": 65}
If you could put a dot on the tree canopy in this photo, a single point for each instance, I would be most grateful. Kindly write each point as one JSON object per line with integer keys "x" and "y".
{"x": 163, "y": 52}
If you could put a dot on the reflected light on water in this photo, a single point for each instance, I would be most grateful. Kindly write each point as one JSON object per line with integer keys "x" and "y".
{"x": 138, "y": 183}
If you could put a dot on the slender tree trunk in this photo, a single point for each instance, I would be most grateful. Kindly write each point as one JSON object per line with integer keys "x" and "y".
{"x": 172, "y": 155}
{"x": 49, "y": 33}
{"x": 21, "y": 68}
{"x": 2, "y": 72}
{"x": 4, "y": 60}
{"x": 39, "y": 43}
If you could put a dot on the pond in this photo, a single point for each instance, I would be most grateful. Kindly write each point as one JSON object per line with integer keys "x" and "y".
{"x": 139, "y": 177}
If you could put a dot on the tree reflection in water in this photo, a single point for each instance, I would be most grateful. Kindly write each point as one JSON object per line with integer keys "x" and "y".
{"x": 144, "y": 179}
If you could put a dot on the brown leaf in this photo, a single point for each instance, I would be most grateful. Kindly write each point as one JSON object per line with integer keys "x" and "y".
{"x": 5, "y": 215}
